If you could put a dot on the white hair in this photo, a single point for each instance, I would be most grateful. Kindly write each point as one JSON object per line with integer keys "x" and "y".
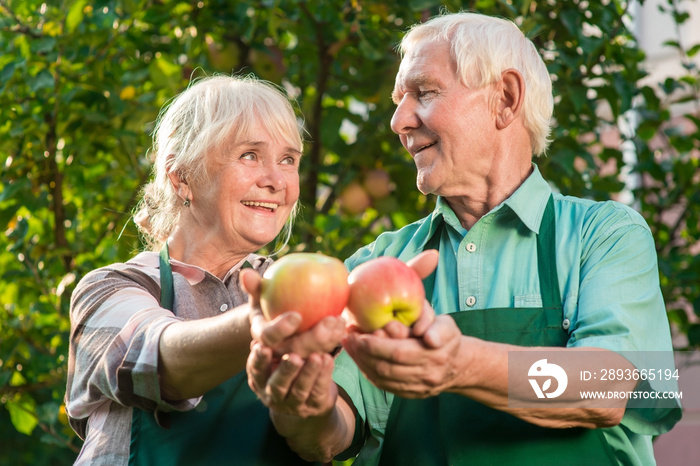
{"x": 482, "y": 48}
{"x": 209, "y": 112}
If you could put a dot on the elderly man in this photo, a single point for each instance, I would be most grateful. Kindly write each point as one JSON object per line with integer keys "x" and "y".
{"x": 520, "y": 269}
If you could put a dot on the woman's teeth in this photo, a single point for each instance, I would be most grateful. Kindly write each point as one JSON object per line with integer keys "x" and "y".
{"x": 267, "y": 205}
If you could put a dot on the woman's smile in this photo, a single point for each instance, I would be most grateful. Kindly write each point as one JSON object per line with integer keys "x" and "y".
{"x": 262, "y": 206}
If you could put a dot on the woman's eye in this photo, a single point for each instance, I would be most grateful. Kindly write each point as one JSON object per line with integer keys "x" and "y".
{"x": 249, "y": 156}
{"x": 288, "y": 161}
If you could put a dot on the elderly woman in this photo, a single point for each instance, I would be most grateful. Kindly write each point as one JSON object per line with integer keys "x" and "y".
{"x": 159, "y": 343}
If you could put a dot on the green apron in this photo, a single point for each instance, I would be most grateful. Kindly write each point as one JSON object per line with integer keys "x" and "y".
{"x": 229, "y": 426}
{"x": 455, "y": 430}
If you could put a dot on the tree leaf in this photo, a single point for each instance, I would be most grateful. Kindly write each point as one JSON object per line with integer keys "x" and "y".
{"x": 43, "y": 44}
{"x": 22, "y": 414}
{"x": 75, "y": 15}
{"x": 693, "y": 50}
{"x": 165, "y": 74}
{"x": 42, "y": 80}
{"x": 420, "y": 5}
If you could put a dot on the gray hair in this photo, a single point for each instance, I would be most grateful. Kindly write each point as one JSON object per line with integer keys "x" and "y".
{"x": 482, "y": 48}
{"x": 201, "y": 118}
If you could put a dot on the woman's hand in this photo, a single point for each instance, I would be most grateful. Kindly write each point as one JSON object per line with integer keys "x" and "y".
{"x": 280, "y": 335}
{"x": 292, "y": 385}
{"x": 292, "y": 373}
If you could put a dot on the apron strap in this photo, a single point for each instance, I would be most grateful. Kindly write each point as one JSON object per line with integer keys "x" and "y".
{"x": 167, "y": 292}
{"x": 546, "y": 258}
{"x": 432, "y": 243}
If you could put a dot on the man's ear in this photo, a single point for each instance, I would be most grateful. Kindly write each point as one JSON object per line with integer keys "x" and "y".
{"x": 511, "y": 93}
{"x": 180, "y": 185}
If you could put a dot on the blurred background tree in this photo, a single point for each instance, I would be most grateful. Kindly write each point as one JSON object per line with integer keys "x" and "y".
{"x": 81, "y": 84}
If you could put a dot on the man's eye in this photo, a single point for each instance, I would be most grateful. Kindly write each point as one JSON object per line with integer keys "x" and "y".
{"x": 249, "y": 156}
{"x": 424, "y": 94}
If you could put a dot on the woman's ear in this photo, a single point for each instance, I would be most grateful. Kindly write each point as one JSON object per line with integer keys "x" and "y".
{"x": 511, "y": 93}
{"x": 180, "y": 185}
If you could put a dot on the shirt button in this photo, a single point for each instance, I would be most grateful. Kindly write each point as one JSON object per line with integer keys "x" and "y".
{"x": 471, "y": 247}
{"x": 566, "y": 324}
{"x": 471, "y": 301}
{"x": 223, "y": 307}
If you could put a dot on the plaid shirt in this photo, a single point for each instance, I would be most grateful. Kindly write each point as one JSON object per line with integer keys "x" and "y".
{"x": 116, "y": 324}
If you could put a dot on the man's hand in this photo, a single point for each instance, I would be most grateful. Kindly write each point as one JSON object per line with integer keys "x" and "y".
{"x": 416, "y": 367}
{"x": 425, "y": 263}
{"x": 413, "y": 362}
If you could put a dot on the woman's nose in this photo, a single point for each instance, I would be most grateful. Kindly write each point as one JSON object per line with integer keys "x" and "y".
{"x": 405, "y": 118}
{"x": 272, "y": 178}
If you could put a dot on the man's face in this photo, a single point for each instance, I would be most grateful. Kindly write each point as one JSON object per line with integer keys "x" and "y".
{"x": 447, "y": 128}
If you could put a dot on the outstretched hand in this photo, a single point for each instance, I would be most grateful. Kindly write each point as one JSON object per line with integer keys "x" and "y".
{"x": 424, "y": 263}
{"x": 290, "y": 372}
{"x": 280, "y": 335}
{"x": 413, "y": 362}
{"x": 292, "y": 385}
{"x": 415, "y": 367}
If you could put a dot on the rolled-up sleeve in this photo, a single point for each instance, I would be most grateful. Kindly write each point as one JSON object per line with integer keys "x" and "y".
{"x": 116, "y": 324}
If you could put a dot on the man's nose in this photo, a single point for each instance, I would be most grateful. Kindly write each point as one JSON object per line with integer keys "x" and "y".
{"x": 405, "y": 118}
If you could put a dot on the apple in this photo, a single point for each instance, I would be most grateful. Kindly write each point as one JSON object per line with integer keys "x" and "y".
{"x": 223, "y": 56}
{"x": 314, "y": 285}
{"x": 354, "y": 199}
{"x": 127, "y": 93}
{"x": 384, "y": 289}
{"x": 378, "y": 183}
{"x": 268, "y": 63}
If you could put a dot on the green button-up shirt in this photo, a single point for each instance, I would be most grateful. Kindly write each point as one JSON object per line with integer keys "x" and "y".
{"x": 607, "y": 271}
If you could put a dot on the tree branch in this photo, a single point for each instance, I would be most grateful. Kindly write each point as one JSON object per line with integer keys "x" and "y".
{"x": 19, "y": 28}
{"x": 324, "y": 63}
{"x": 49, "y": 430}
{"x": 56, "y": 175}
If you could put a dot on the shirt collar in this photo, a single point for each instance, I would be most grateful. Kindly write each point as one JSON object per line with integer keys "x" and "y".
{"x": 252, "y": 261}
{"x": 436, "y": 218}
{"x": 527, "y": 202}
{"x": 193, "y": 273}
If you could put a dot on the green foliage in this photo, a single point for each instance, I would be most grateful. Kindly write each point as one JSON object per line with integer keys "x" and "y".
{"x": 668, "y": 169}
{"x": 81, "y": 84}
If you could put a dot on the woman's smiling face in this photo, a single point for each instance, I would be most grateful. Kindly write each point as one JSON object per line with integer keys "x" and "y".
{"x": 253, "y": 188}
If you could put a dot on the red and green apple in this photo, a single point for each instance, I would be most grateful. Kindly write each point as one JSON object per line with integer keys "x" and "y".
{"x": 384, "y": 289}
{"x": 314, "y": 285}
